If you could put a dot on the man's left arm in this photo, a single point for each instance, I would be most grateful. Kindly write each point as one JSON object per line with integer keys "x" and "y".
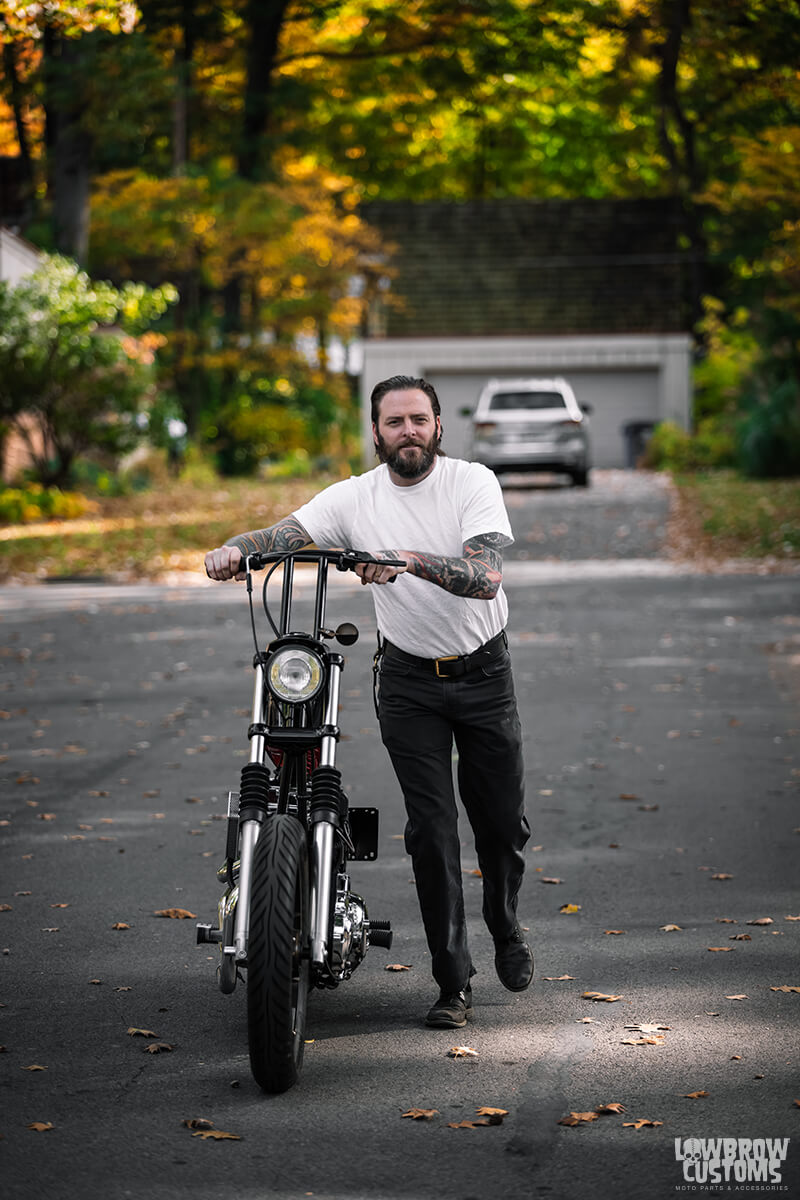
{"x": 478, "y": 573}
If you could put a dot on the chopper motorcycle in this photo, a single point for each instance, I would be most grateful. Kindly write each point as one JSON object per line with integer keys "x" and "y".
{"x": 288, "y": 917}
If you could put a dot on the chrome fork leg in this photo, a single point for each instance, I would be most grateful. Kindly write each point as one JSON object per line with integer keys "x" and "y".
{"x": 249, "y": 837}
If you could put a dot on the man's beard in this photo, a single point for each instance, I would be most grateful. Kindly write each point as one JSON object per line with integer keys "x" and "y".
{"x": 411, "y": 466}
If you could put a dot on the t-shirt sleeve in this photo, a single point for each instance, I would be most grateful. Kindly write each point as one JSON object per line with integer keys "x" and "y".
{"x": 327, "y": 517}
{"x": 484, "y": 509}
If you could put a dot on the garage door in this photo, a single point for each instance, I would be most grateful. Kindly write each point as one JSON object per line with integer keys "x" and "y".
{"x": 615, "y": 396}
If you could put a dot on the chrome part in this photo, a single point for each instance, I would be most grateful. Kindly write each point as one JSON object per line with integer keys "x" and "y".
{"x": 328, "y": 743}
{"x": 321, "y": 882}
{"x": 257, "y": 743}
{"x": 295, "y": 674}
{"x": 227, "y": 952}
{"x": 350, "y": 926}
{"x": 249, "y": 837}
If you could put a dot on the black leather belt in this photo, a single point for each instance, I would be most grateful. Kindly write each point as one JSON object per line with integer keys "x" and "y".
{"x": 451, "y": 665}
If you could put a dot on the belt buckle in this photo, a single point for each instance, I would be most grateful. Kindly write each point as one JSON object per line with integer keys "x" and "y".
{"x": 445, "y": 658}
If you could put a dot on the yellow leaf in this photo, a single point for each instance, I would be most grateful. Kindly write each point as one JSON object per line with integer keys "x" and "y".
{"x": 722, "y": 875}
{"x": 599, "y": 996}
{"x": 398, "y": 967}
{"x": 578, "y": 1118}
{"x": 614, "y": 1107}
{"x": 784, "y": 987}
{"x": 694, "y": 1095}
{"x": 41, "y": 1126}
{"x": 640, "y": 1123}
{"x": 179, "y": 914}
{"x": 462, "y": 1052}
{"x": 421, "y": 1114}
{"x": 492, "y": 1112}
{"x": 570, "y": 908}
{"x": 121, "y": 925}
{"x": 670, "y": 928}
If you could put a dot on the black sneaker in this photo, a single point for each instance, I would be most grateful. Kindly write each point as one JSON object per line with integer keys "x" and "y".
{"x": 513, "y": 962}
{"x": 451, "y": 1010}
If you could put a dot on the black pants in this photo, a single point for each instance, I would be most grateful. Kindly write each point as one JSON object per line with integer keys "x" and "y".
{"x": 420, "y": 716}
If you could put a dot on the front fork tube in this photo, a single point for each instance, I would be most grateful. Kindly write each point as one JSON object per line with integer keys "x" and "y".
{"x": 323, "y": 838}
{"x": 249, "y": 832}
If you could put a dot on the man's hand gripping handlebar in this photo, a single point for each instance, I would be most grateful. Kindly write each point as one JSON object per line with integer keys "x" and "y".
{"x": 228, "y": 562}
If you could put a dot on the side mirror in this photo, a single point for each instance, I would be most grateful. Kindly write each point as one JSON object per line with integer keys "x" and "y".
{"x": 346, "y": 634}
{"x": 587, "y": 408}
{"x": 466, "y": 412}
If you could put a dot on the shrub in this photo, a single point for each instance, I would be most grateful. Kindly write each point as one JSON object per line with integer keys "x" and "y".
{"x": 19, "y": 506}
{"x": 769, "y": 436}
{"x": 672, "y": 448}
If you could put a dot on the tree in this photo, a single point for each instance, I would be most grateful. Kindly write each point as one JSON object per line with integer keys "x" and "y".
{"x": 76, "y": 363}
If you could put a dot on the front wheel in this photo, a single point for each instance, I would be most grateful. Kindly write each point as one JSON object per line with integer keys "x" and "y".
{"x": 277, "y": 954}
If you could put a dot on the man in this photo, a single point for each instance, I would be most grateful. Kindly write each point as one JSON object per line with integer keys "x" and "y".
{"x": 445, "y": 670}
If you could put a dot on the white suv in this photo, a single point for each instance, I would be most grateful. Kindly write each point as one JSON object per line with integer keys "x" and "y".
{"x": 531, "y": 425}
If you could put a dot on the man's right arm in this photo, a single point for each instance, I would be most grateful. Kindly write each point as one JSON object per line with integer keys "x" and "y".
{"x": 226, "y": 561}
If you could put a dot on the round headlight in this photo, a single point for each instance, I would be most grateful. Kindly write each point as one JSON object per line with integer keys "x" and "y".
{"x": 294, "y": 674}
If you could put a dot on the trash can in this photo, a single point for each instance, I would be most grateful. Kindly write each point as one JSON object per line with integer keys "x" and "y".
{"x": 636, "y": 435}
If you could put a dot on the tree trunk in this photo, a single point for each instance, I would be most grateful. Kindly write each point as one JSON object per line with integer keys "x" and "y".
{"x": 263, "y": 21}
{"x": 181, "y": 114}
{"x": 68, "y": 143}
{"x": 17, "y": 97}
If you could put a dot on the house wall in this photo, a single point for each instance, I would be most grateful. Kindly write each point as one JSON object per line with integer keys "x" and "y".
{"x": 641, "y": 377}
{"x": 17, "y": 258}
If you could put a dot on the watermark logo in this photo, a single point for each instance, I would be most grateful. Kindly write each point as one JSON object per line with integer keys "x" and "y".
{"x": 742, "y": 1163}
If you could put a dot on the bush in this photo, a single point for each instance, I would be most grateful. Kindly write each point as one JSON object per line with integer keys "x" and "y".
{"x": 672, "y": 448}
{"x": 769, "y": 436}
{"x": 18, "y": 506}
{"x": 246, "y": 433}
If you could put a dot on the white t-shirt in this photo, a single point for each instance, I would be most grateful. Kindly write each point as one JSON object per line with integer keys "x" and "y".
{"x": 457, "y": 501}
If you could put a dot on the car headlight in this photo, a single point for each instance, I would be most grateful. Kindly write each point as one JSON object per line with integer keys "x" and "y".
{"x": 295, "y": 674}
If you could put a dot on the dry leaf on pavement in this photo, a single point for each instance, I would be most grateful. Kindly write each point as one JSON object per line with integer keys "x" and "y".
{"x": 40, "y": 1126}
{"x": 34, "y": 1067}
{"x": 121, "y": 925}
{"x": 134, "y": 1032}
{"x": 421, "y": 1114}
{"x": 640, "y": 1123}
{"x": 157, "y": 1047}
{"x": 570, "y": 908}
{"x": 397, "y": 967}
{"x": 785, "y": 987}
{"x": 694, "y": 1095}
{"x": 179, "y": 914}
{"x": 614, "y": 1107}
{"x": 578, "y": 1118}
{"x": 722, "y": 875}
{"x": 720, "y": 949}
{"x": 556, "y": 978}
{"x": 762, "y": 921}
{"x": 670, "y": 928}
{"x": 599, "y": 996}
{"x": 198, "y": 1123}
{"x": 613, "y": 931}
{"x": 648, "y": 1028}
{"x": 462, "y": 1052}
{"x": 650, "y": 1040}
{"x": 217, "y": 1135}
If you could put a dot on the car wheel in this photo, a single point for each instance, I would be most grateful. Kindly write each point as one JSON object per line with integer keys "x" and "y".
{"x": 580, "y": 478}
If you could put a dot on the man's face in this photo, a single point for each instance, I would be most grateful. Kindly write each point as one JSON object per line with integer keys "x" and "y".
{"x": 407, "y": 433}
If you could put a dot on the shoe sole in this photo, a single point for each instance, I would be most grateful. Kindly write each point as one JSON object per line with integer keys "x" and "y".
{"x": 444, "y": 1023}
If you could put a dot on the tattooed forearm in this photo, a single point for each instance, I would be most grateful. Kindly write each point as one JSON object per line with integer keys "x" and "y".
{"x": 478, "y": 574}
{"x": 288, "y": 534}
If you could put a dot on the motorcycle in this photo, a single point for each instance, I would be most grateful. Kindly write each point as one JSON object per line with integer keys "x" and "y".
{"x": 287, "y": 916}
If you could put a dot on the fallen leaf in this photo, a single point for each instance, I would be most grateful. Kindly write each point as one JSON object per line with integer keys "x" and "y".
{"x": 51, "y": 929}
{"x": 742, "y": 997}
{"x": 41, "y": 1126}
{"x": 134, "y": 1032}
{"x": 34, "y": 1067}
{"x": 784, "y": 987}
{"x": 218, "y": 1135}
{"x": 615, "y": 1107}
{"x": 791, "y": 918}
{"x": 585, "y": 1021}
{"x": 763, "y": 921}
{"x": 578, "y": 1118}
{"x": 545, "y": 879}
{"x": 157, "y": 1047}
{"x": 719, "y": 949}
{"x": 121, "y": 925}
{"x": 694, "y": 1095}
{"x": 648, "y": 808}
{"x": 613, "y": 931}
{"x": 658, "y": 1040}
{"x": 476, "y": 871}
{"x": 95, "y": 981}
{"x": 122, "y": 988}
{"x": 726, "y": 921}
{"x": 640, "y": 1123}
{"x": 736, "y": 1058}
{"x": 648, "y": 1028}
{"x": 492, "y": 1112}
{"x": 198, "y": 1123}
{"x": 6, "y": 907}
{"x": 179, "y": 914}
{"x": 398, "y": 967}
{"x": 722, "y": 875}
{"x": 556, "y": 978}
{"x": 473, "y": 1124}
{"x": 462, "y": 1052}
{"x": 421, "y": 1114}
{"x": 629, "y": 796}
{"x": 599, "y": 996}
{"x": 671, "y": 928}
{"x": 570, "y": 908}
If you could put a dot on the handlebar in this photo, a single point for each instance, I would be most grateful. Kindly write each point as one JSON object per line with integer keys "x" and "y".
{"x": 344, "y": 560}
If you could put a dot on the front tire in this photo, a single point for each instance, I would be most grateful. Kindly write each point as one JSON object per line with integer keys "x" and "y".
{"x": 277, "y": 954}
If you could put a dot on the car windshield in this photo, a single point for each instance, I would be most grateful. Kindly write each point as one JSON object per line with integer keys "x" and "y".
{"x": 506, "y": 401}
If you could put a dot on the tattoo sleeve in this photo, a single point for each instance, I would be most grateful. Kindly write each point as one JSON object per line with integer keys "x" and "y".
{"x": 287, "y": 534}
{"x": 477, "y": 574}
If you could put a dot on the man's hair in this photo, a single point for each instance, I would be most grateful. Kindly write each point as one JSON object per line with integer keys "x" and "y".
{"x": 402, "y": 383}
